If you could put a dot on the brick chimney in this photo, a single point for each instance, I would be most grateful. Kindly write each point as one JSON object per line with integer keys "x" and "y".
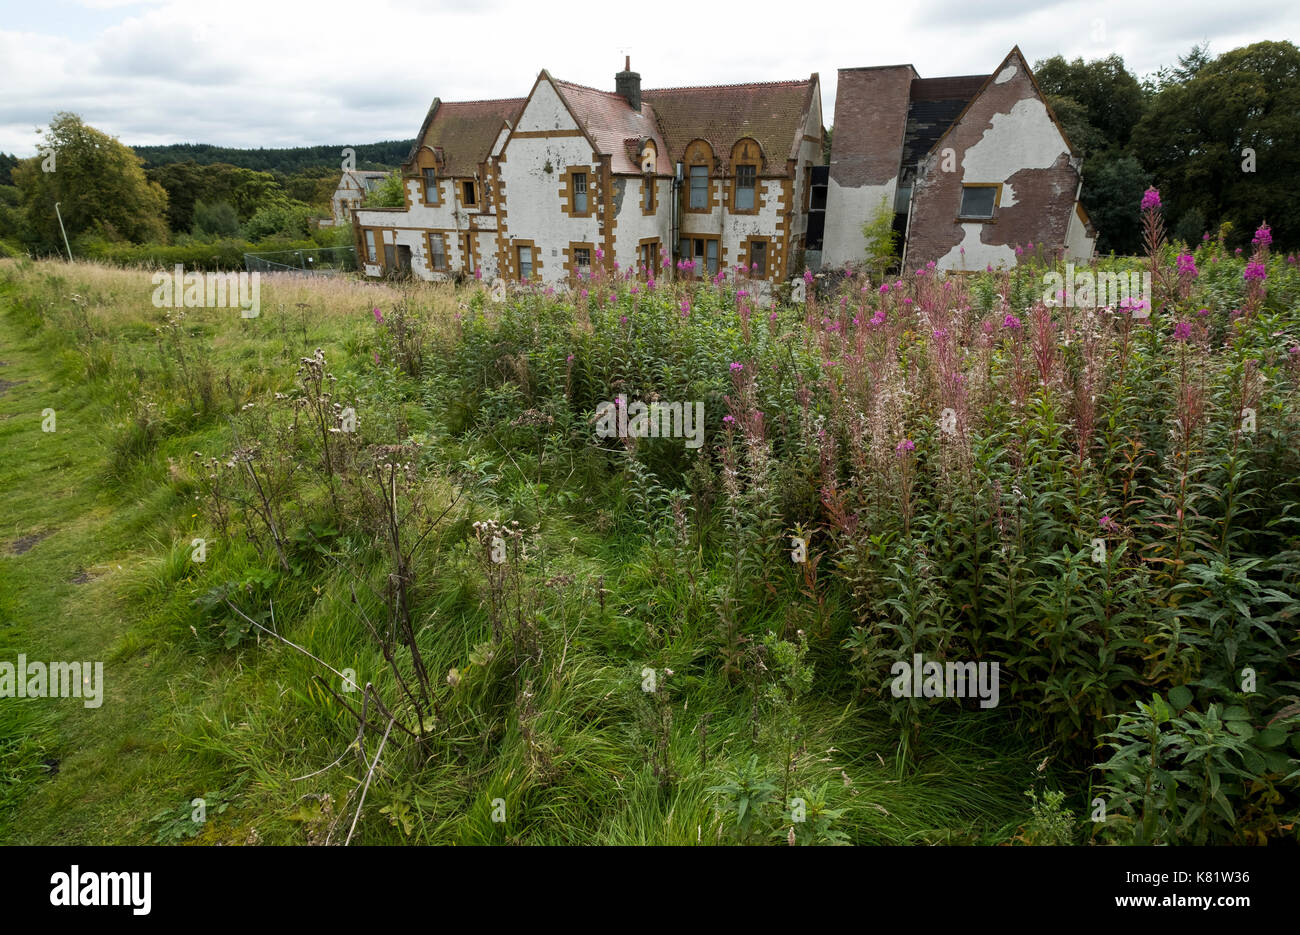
{"x": 628, "y": 83}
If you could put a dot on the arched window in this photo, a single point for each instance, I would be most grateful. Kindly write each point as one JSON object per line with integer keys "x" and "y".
{"x": 698, "y": 159}
{"x": 746, "y": 161}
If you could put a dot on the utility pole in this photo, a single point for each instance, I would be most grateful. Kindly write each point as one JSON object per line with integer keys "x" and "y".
{"x": 64, "y": 232}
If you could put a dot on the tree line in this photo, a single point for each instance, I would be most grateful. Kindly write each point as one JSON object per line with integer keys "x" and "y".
{"x": 1219, "y": 136}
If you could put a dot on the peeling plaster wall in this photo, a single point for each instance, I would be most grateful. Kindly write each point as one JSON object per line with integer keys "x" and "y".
{"x": 853, "y": 207}
{"x": 870, "y": 122}
{"x": 532, "y": 169}
{"x": 731, "y": 229}
{"x": 633, "y": 226}
{"x": 1005, "y": 136}
{"x": 1079, "y": 246}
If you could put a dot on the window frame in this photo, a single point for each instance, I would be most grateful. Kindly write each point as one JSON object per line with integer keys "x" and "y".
{"x": 765, "y": 271}
{"x": 473, "y": 190}
{"x": 371, "y": 242}
{"x": 517, "y": 261}
{"x": 446, "y": 257}
{"x": 568, "y": 191}
{"x": 736, "y": 188}
{"x": 436, "y": 200}
{"x": 650, "y": 194}
{"x": 649, "y": 248}
{"x": 975, "y": 218}
{"x": 706, "y": 239}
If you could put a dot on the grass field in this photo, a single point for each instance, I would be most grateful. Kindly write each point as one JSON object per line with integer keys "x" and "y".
{"x": 647, "y": 664}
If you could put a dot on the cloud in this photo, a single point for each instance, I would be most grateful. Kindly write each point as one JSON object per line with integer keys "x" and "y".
{"x": 253, "y": 73}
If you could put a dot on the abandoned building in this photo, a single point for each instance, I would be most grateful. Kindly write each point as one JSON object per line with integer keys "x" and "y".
{"x": 969, "y": 167}
{"x": 544, "y": 187}
{"x": 354, "y": 185}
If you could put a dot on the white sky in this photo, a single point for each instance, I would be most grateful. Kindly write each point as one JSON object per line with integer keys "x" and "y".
{"x": 279, "y": 73}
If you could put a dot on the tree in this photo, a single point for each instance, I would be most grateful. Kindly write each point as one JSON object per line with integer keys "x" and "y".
{"x": 1112, "y": 190}
{"x": 215, "y": 220}
{"x": 390, "y": 193}
{"x": 1104, "y": 88}
{"x": 98, "y": 183}
{"x": 882, "y": 239}
{"x": 1227, "y": 140}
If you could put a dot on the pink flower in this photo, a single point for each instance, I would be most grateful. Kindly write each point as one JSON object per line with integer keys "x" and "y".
{"x": 1108, "y": 524}
{"x": 569, "y": 359}
{"x": 1150, "y": 199}
{"x": 1255, "y": 271}
{"x": 376, "y": 358}
{"x": 650, "y": 284}
{"x": 1011, "y": 321}
{"x": 686, "y": 307}
{"x": 1263, "y": 237}
{"x": 1182, "y": 331}
{"x": 378, "y": 316}
{"x": 728, "y": 419}
{"x": 735, "y": 367}
{"x": 904, "y": 446}
{"x": 622, "y": 320}
{"x": 1203, "y": 312}
{"x": 808, "y": 277}
{"x": 600, "y": 254}
{"x": 1186, "y": 265}
{"x": 988, "y": 327}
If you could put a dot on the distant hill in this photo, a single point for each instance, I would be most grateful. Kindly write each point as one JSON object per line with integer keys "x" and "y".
{"x": 385, "y": 155}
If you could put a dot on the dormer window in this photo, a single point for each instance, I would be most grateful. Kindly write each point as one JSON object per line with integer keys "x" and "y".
{"x": 430, "y": 185}
{"x": 648, "y": 155}
{"x": 746, "y": 180}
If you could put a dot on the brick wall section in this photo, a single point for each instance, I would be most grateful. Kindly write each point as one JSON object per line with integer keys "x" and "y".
{"x": 1044, "y": 197}
{"x": 870, "y": 119}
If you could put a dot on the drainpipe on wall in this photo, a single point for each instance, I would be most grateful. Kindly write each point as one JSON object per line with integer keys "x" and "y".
{"x": 675, "y": 218}
{"x": 907, "y": 236}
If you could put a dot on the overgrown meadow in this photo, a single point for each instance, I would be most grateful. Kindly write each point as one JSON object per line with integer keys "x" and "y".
{"x": 434, "y": 606}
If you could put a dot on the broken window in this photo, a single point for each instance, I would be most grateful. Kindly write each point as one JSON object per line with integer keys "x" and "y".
{"x": 469, "y": 194}
{"x": 978, "y": 201}
{"x": 581, "y": 257}
{"x": 746, "y": 179}
{"x": 370, "y": 246}
{"x": 437, "y": 253}
{"x": 758, "y": 259}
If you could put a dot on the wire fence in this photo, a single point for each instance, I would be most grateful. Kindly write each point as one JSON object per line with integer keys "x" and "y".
{"x": 323, "y": 261}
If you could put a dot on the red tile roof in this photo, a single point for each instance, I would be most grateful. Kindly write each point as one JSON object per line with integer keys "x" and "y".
{"x": 465, "y": 130}
{"x": 773, "y": 113}
{"x": 611, "y": 123}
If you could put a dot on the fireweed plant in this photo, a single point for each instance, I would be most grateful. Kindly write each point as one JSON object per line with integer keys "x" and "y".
{"x": 606, "y": 636}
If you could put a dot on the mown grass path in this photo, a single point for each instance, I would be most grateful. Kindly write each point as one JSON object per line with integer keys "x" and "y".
{"x": 71, "y": 774}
